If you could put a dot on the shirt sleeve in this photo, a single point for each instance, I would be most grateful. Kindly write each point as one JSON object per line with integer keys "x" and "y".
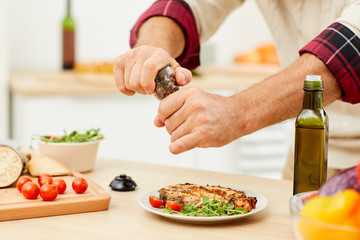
{"x": 181, "y": 13}
{"x": 339, "y": 48}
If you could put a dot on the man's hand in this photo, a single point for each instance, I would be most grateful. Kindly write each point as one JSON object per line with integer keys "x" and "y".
{"x": 195, "y": 118}
{"x": 160, "y": 40}
{"x": 135, "y": 70}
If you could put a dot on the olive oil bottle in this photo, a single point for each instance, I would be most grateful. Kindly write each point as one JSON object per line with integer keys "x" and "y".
{"x": 68, "y": 39}
{"x": 311, "y": 139}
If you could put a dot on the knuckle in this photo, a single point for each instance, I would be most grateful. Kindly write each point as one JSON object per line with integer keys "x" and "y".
{"x": 192, "y": 93}
{"x": 202, "y": 118}
{"x": 169, "y": 130}
{"x": 205, "y": 133}
{"x": 192, "y": 90}
{"x": 161, "y": 108}
{"x": 121, "y": 88}
{"x": 149, "y": 66}
{"x": 132, "y": 52}
{"x": 117, "y": 63}
{"x": 175, "y": 135}
{"x": 118, "y": 59}
{"x": 198, "y": 106}
{"x": 181, "y": 146}
{"x": 169, "y": 126}
{"x": 159, "y": 51}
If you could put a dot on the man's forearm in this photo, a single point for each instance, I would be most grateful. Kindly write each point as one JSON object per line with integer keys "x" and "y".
{"x": 162, "y": 32}
{"x": 280, "y": 96}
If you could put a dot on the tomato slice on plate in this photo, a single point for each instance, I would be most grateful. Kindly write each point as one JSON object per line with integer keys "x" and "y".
{"x": 155, "y": 201}
{"x": 173, "y": 206}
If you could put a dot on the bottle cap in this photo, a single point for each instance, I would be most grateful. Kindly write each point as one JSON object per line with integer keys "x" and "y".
{"x": 313, "y": 78}
{"x": 313, "y": 82}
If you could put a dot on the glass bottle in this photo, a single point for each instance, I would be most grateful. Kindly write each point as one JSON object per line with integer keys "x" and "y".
{"x": 311, "y": 139}
{"x": 68, "y": 39}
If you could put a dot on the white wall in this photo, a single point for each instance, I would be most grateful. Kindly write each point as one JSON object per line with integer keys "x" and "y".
{"x": 244, "y": 29}
{"x": 4, "y": 103}
{"x": 103, "y": 28}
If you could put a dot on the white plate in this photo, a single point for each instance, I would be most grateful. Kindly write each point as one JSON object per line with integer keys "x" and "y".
{"x": 260, "y": 205}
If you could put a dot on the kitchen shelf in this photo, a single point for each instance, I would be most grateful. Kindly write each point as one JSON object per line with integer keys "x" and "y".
{"x": 50, "y": 83}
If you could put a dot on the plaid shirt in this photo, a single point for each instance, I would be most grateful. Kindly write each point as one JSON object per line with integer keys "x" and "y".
{"x": 337, "y": 46}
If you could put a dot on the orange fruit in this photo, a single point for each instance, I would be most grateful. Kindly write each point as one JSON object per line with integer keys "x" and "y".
{"x": 315, "y": 208}
{"x": 342, "y": 206}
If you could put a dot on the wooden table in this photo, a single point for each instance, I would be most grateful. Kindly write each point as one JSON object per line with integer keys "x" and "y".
{"x": 125, "y": 219}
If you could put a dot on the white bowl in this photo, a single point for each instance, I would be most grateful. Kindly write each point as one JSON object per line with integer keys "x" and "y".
{"x": 80, "y": 157}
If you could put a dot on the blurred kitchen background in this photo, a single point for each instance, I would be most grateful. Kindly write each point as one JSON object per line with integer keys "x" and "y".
{"x": 37, "y": 97}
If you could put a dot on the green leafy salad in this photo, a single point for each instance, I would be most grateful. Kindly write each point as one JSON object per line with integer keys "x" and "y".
{"x": 208, "y": 208}
{"x": 74, "y": 137}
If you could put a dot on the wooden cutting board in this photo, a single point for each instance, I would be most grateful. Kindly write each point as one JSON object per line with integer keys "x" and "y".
{"x": 14, "y": 206}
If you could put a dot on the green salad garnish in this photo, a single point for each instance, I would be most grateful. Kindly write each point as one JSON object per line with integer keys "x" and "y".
{"x": 207, "y": 208}
{"x": 74, "y": 137}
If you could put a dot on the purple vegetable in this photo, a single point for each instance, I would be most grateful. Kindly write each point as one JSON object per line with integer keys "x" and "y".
{"x": 346, "y": 179}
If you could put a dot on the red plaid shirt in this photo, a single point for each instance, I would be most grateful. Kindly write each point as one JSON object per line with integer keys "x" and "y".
{"x": 337, "y": 46}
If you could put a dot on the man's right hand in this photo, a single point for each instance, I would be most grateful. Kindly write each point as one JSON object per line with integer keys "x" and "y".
{"x": 136, "y": 69}
{"x": 159, "y": 41}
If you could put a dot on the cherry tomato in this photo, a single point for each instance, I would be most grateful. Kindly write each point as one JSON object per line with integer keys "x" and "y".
{"x": 79, "y": 185}
{"x": 30, "y": 190}
{"x": 42, "y": 176}
{"x": 46, "y": 180}
{"x": 173, "y": 206}
{"x": 155, "y": 201}
{"x": 21, "y": 181}
{"x": 48, "y": 192}
{"x": 61, "y": 185}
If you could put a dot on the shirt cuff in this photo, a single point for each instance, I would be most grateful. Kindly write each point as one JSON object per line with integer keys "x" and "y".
{"x": 180, "y": 12}
{"x": 339, "y": 48}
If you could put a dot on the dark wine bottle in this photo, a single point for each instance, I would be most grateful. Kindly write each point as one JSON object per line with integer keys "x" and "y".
{"x": 68, "y": 39}
{"x": 311, "y": 139}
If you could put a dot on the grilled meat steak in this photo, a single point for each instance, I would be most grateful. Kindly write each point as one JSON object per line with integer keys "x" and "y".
{"x": 189, "y": 193}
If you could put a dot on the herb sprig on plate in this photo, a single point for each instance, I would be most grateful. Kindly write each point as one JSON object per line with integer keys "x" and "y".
{"x": 207, "y": 208}
{"x": 90, "y": 135}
